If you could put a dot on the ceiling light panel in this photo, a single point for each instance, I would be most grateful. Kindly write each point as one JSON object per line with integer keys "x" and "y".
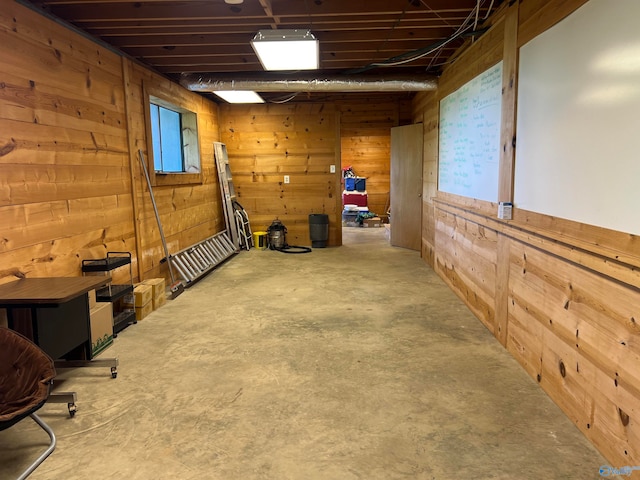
{"x": 239, "y": 96}
{"x": 286, "y": 49}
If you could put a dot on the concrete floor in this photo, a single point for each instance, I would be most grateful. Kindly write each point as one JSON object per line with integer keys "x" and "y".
{"x": 354, "y": 362}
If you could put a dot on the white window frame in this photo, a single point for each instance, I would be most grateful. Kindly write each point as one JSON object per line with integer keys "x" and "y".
{"x": 191, "y": 161}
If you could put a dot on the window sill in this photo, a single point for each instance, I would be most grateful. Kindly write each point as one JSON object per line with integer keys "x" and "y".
{"x": 163, "y": 179}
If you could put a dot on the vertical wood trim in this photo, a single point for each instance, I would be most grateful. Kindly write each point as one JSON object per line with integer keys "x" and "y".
{"x": 337, "y": 182}
{"x": 146, "y": 104}
{"x": 509, "y": 98}
{"x": 132, "y": 169}
{"x": 502, "y": 289}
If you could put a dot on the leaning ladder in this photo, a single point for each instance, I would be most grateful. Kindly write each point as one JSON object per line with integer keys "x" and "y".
{"x": 243, "y": 226}
{"x": 196, "y": 261}
{"x": 226, "y": 190}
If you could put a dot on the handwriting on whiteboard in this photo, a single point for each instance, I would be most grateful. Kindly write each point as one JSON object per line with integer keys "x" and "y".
{"x": 469, "y": 137}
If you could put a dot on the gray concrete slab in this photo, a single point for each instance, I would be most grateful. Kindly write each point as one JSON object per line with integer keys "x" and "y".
{"x": 354, "y": 362}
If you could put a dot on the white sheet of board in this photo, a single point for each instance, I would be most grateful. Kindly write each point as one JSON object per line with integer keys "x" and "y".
{"x": 578, "y": 121}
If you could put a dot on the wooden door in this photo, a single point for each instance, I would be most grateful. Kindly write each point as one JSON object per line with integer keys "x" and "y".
{"x": 406, "y": 186}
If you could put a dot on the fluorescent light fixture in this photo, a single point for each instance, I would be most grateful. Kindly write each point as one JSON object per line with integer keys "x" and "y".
{"x": 286, "y": 49}
{"x": 239, "y": 96}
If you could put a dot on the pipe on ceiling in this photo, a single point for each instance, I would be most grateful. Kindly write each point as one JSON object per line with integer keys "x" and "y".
{"x": 200, "y": 82}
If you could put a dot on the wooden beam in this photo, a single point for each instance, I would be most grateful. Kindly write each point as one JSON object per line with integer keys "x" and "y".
{"x": 132, "y": 162}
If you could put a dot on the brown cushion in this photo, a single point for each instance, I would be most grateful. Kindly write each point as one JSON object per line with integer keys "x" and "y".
{"x": 25, "y": 376}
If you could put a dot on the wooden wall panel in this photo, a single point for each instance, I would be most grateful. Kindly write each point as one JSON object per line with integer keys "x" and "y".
{"x": 71, "y": 122}
{"x": 587, "y": 344}
{"x": 426, "y": 110}
{"x": 267, "y": 142}
{"x": 463, "y": 242}
{"x": 562, "y": 297}
{"x": 64, "y": 187}
{"x": 188, "y": 213}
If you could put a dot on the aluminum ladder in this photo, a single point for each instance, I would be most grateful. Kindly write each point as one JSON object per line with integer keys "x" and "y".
{"x": 227, "y": 191}
{"x": 196, "y": 261}
{"x": 243, "y": 226}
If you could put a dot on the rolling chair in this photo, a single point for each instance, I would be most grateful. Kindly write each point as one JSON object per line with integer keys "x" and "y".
{"x": 26, "y": 374}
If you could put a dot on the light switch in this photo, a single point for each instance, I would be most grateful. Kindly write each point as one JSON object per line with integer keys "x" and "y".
{"x": 332, "y": 169}
{"x": 286, "y": 179}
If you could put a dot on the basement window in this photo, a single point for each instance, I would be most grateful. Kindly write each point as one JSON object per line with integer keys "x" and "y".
{"x": 172, "y": 139}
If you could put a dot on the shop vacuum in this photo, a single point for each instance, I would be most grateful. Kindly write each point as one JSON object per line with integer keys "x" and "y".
{"x": 277, "y": 239}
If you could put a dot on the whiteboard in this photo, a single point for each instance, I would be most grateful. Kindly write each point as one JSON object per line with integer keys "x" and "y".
{"x": 578, "y": 120}
{"x": 469, "y": 137}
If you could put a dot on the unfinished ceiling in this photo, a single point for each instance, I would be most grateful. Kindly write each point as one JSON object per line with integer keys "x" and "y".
{"x": 210, "y": 39}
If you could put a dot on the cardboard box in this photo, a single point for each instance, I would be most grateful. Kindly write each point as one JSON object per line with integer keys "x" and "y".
{"x": 142, "y": 312}
{"x": 372, "y": 222}
{"x": 92, "y": 299}
{"x": 158, "y": 285}
{"x": 101, "y": 319}
{"x": 142, "y": 294}
{"x": 159, "y": 301}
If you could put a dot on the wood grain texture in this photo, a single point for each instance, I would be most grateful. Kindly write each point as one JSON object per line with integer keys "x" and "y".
{"x": 71, "y": 123}
{"x": 426, "y": 111}
{"x": 267, "y": 142}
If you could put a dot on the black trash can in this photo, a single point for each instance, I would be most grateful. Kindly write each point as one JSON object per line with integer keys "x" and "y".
{"x": 319, "y": 229}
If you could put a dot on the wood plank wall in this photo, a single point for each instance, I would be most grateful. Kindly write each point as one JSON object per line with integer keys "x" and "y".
{"x": 562, "y": 297}
{"x": 71, "y": 121}
{"x": 267, "y": 142}
{"x": 188, "y": 213}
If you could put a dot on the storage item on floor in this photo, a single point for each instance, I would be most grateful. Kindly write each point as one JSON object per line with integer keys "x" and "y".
{"x": 260, "y": 240}
{"x": 92, "y": 298}
{"x": 350, "y": 219}
{"x": 319, "y": 230}
{"x": 141, "y": 300}
{"x": 158, "y": 286}
{"x": 144, "y": 310}
{"x": 101, "y": 319}
{"x": 159, "y": 301}
{"x": 360, "y": 184}
{"x": 350, "y": 184}
{"x": 243, "y": 226}
{"x": 122, "y": 316}
{"x": 141, "y": 295}
{"x": 354, "y": 198}
{"x": 196, "y": 261}
{"x": 372, "y": 222}
{"x": 159, "y": 296}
